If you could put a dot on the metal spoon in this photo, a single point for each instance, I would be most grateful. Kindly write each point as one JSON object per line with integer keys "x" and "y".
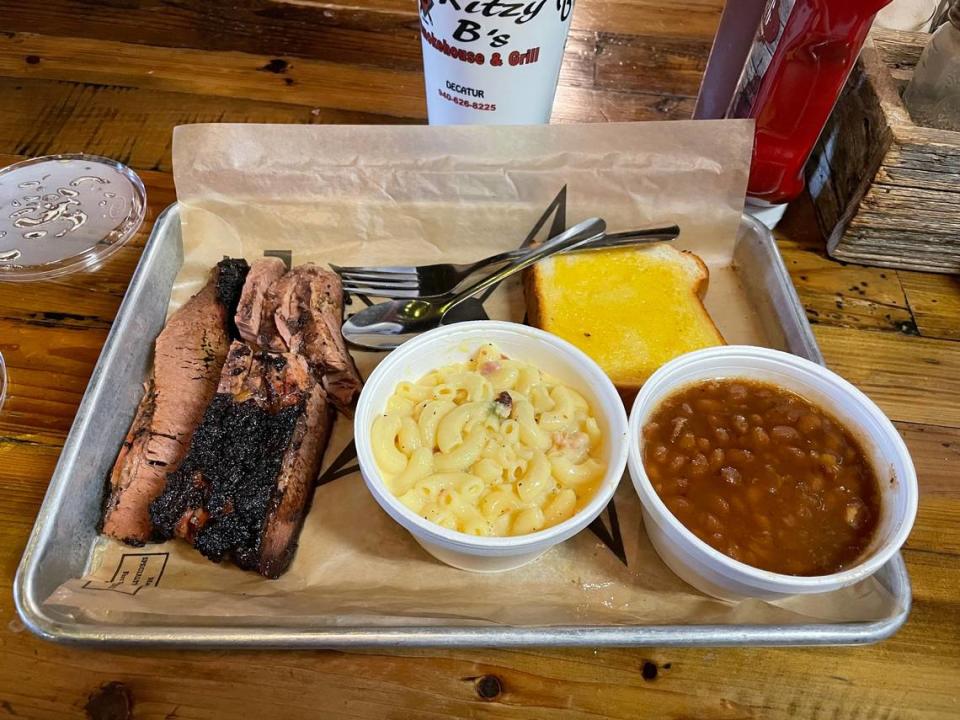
{"x": 388, "y": 325}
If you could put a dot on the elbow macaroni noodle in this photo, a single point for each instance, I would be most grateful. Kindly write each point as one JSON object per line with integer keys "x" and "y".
{"x": 490, "y": 447}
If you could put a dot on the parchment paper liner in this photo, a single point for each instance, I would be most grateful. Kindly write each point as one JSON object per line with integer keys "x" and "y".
{"x": 389, "y": 195}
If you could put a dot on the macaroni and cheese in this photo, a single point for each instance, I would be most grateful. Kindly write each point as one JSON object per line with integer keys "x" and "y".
{"x": 491, "y": 446}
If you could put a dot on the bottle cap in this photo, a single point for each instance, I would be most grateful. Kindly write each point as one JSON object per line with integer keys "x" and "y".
{"x": 63, "y": 213}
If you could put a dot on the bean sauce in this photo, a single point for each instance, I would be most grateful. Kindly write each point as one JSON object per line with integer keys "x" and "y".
{"x": 763, "y": 475}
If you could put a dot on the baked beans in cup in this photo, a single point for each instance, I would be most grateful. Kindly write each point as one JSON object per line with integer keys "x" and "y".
{"x": 762, "y": 474}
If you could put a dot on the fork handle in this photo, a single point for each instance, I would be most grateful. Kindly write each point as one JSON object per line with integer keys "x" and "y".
{"x": 587, "y": 231}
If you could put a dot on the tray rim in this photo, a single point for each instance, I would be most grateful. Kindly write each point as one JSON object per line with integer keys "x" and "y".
{"x": 37, "y": 620}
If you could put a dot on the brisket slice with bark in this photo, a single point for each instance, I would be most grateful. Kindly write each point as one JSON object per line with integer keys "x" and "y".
{"x": 189, "y": 353}
{"x": 302, "y": 312}
{"x": 244, "y": 488}
{"x": 263, "y": 273}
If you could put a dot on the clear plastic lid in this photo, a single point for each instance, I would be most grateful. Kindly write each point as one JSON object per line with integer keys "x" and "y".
{"x": 63, "y": 213}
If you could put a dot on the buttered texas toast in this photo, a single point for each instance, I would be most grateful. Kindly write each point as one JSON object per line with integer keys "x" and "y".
{"x": 630, "y": 309}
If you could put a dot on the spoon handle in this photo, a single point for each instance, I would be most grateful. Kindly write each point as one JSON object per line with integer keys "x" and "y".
{"x": 612, "y": 240}
{"x": 632, "y": 237}
{"x": 577, "y": 235}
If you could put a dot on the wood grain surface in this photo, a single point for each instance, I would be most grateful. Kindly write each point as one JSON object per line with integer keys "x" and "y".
{"x": 887, "y": 195}
{"x": 114, "y": 77}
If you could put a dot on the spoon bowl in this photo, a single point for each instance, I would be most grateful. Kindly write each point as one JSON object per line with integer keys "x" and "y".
{"x": 388, "y": 325}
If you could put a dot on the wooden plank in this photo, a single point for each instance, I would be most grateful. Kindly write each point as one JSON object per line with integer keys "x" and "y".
{"x": 886, "y": 206}
{"x": 836, "y": 293}
{"x": 901, "y": 78}
{"x": 48, "y": 369}
{"x": 887, "y": 194}
{"x": 25, "y": 465}
{"x": 899, "y": 49}
{"x": 936, "y": 456}
{"x": 904, "y": 227}
{"x": 40, "y": 680}
{"x": 133, "y": 126}
{"x": 579, "y": 60}
{"x": 839, "y": 174}
{"x": 328, "y": 31}
{"x": 373, "y": 32}
{"x": 847, "y": 295}
{"x": 923, "y": 175}
{"x": 936, "y": 453}
{"x": 86, "y": 300}
{"x": 283, "y": 31}
{"x": 933, "y": 532}
{"x": 691, "y": 18}
{"x": 627, "y": 63}
{"x": 935, "y": 303}
{"x": 306, "y": 83}
{"x": 912, "y": 378}
{"x": 573, "y": 104}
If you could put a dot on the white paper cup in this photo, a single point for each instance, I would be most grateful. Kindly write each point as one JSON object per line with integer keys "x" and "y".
{"x": 457, "y": 343}
{"x": 719, "y": 575}
{"x": 492, "y": 63}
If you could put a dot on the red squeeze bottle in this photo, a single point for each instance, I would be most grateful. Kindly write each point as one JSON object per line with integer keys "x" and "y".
{"x": 791, "y": 93}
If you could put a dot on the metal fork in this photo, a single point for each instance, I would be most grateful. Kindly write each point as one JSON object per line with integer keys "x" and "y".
{"x": 411, "y": 281}
{"x": 387, "y": 325}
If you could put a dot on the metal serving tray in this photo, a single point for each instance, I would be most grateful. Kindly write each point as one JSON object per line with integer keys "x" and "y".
{"x": 61, "y": 544}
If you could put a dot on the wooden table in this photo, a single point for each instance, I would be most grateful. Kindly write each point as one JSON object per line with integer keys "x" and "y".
{"x": 115, "y": 77}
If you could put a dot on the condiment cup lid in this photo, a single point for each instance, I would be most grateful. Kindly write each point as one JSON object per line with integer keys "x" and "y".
{"x": 64, "y": 213}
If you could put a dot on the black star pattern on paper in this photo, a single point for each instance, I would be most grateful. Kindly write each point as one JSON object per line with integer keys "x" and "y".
{"x": 472, "y": 309}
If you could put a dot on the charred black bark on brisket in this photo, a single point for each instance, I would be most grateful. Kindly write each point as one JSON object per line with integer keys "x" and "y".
{"x": 244, "y": 487}
{"x": 230, "y": 279}
{"x": 231, "y": 473}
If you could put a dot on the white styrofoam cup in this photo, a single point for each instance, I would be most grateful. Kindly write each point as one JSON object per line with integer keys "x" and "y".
{"x": 719, "y": 575}
{"x": 457, "y": 343}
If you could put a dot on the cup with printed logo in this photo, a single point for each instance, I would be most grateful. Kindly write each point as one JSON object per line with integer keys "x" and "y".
{"x": 492, "y": 62}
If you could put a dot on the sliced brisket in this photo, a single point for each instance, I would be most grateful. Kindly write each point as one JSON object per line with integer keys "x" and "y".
{"x": 263, "y": 273}
{"x": 227, "y": 443}
{"x": 302, "y": 312}
{"x": 189, "y": 353}
{"x": 245, "y": 486}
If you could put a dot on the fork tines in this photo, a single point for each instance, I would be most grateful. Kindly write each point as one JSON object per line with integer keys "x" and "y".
{"x": 388, "y": 281}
